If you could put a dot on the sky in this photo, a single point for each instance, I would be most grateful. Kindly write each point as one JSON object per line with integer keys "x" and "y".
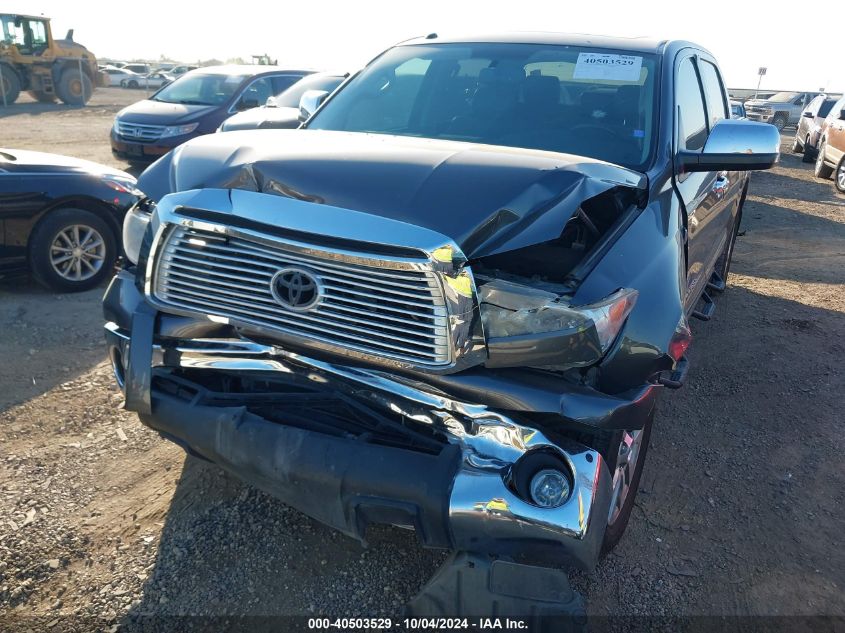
{"x": 332, "y": 35}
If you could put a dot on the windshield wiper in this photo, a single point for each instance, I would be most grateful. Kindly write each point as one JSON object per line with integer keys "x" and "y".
{"x": 192, "y": 102}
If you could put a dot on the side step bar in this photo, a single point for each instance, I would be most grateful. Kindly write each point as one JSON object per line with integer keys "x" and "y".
{"x": 707, "y": 309}
{"x": 716, "y": 283}
{"x": 470, "y": 585}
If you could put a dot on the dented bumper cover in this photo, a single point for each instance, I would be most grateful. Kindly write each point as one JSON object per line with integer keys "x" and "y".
{"x": 459, "y": 498}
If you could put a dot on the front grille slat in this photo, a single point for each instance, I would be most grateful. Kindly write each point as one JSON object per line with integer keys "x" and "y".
{"x": 226, "y": 291}
{"x": 400, "y": 307}
{"x": 139, "y": 131}
{"x": 357, "y": 342}
{"x": 329, "y": 269}
{"x": 388, "y": 310}
{"x": 269, "y": 313}
{"x": 418, "y": 291}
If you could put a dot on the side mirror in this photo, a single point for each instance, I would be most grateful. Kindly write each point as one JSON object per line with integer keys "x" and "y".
{"x": 271, "y": 103}
{"x": 734, "y": 145}
{"x": 842, "y": 114}
{"x": 310, "y": 101}
{"x": 807, "y": 115}
{"x": 247, "y": 103}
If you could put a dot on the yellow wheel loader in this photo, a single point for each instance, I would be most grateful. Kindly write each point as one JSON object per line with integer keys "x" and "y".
{"x": 31, "y": 60}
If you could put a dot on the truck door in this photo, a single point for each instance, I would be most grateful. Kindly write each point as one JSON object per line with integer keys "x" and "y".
{"x": 704, "y": 195}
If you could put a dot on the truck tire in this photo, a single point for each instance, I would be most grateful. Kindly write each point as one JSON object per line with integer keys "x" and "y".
{"x": 72, "y": 250}
{"x": 822, "y": 170}
{"x": 622, "y": 503}
{"x": 74, "y": 87}
{"x": 41, "y": 97}
{"x": 839, "y": 176}
{"x": 809, "y": 153}
{"x": 779, "y": 121}
{"x": 10, "y": 86}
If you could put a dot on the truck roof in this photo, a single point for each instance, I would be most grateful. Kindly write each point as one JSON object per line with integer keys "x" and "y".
{"x": 635, "y": 44}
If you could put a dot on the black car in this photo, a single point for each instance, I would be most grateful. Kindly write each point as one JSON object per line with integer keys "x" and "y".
{"x": 61, "y": 218}
{"x": 194, "y": 104}
{"x": 282, "y": 111}
{"x": 450, "y": 300}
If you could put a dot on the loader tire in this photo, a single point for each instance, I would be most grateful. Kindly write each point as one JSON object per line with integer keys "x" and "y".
{"x": 10, "y": 86}
{"x": 74, "y": 88}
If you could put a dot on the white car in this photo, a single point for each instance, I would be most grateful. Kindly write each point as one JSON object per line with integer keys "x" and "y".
{"x": 153, "y": 80}
{"x": 117, "y": 75}
{"x": 178, "y": 71}
{"x": 141, "y": 69}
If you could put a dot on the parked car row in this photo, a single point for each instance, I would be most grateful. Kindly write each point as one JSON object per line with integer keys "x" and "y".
{"x": 830, "y": 151}
{"x": 139, "y": 76}
{"x": 201, "y": 101}
{"x": 781, "y": 109}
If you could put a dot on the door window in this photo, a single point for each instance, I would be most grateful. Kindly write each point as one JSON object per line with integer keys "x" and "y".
{"x": 257, "y": 92}
{"x": 692, "y": 123}
{"x": 283, "y": 82}
{"x": 714, "y": 93}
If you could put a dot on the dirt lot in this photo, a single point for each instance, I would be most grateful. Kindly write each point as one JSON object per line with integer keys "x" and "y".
{"x": 740, "y": 512}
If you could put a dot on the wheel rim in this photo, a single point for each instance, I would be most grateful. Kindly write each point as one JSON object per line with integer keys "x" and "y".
{"x": 623, "y": 476}
{"x": 77, "y": 252}
{"x": 76, "y": 87}
{"x": 840, "y": 175}
{"x": 780, "y": 123}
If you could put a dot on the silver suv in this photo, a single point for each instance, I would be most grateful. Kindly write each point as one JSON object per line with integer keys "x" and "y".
{"x": 808, "y": 130}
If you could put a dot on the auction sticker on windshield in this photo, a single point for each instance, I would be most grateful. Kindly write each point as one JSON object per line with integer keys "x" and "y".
{"x": 607, "y": 66}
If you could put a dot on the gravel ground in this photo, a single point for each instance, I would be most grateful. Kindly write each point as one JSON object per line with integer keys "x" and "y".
{"x": 740, "y": 511}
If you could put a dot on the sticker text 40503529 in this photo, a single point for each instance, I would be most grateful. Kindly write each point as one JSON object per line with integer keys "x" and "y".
{"x": 608, "y": 66}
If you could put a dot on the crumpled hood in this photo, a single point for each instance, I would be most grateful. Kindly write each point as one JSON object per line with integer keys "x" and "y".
{"x": 51, "y": 163}
{"x": 488, "y": 199}
{"x": 263, "y": 117}
{"x": 161, "y": 113}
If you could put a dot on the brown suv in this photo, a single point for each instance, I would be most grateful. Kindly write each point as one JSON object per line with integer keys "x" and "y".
{"x": 831, "y": 156}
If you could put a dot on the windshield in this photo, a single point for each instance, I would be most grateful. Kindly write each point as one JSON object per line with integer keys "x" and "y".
{"x": 200, "y": 89}
{"x": 290, "y": 98}
{"x": 590, "y": 102}
{"x": 782, "y": 97}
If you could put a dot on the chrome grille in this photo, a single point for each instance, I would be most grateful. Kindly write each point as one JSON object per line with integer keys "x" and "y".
{"x": 139, "y": 131}
{"x": 391, "y": 313}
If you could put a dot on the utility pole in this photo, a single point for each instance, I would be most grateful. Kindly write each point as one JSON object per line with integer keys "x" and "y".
{"x": 760, "y": 72}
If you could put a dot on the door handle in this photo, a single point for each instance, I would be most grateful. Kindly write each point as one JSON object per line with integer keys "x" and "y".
{"x": 720, "y": 187}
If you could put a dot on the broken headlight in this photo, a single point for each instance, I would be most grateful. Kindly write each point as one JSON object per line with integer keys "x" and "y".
{"x": 526, "y": 326}
{"x": 135, "y": 224}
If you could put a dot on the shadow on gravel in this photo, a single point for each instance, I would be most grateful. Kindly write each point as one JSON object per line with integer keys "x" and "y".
{"x": 227, "y": 549}
{"x": 35, "y": 109}
{"x": 46, "y": 338}
{"x": 790, "y": 245}
{"x": 741, "y": 501}
{"x": 741, "y": 507}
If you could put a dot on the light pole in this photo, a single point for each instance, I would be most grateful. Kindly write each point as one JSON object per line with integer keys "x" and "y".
{"x": 760, "y": 72}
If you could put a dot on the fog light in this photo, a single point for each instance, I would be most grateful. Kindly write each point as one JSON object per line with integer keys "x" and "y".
{"x": 549, "y": 488}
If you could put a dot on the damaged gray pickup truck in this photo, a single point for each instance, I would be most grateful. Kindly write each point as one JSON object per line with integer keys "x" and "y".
{"x": 449, "y": 301}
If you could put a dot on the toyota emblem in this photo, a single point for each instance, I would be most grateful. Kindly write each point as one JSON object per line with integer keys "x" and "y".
{"x": 296, "y": 289}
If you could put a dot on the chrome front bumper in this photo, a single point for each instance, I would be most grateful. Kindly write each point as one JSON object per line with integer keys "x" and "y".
{"x": 484, "y": 513}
